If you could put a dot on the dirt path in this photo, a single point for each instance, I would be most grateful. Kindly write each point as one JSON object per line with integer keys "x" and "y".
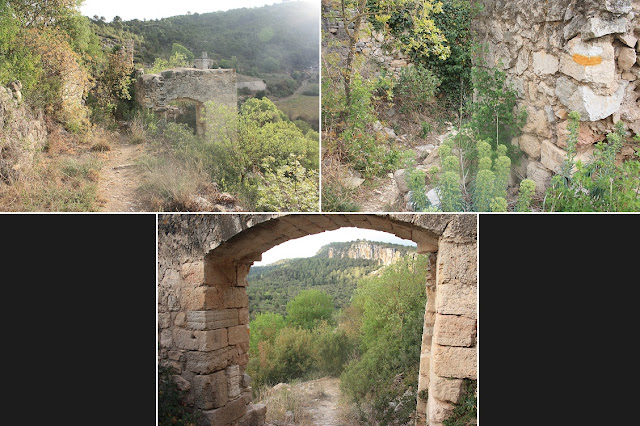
{"x": 383, "y": 198}
{"x": 120, "y": 177}
{"x": 322, "y": 406}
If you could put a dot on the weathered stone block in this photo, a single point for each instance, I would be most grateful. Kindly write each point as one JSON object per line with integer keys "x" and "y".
{"x": 193, "y": 273}
{"x": 540, "y": 175}
{"x": 552, "y": 157}
{"x": 457, "y": 262}
{"x": 454, "y": 330}
{"x": 235, "y": 297}
{"x": 212, "y": 320}
{"x": 256, "y": 415}
{"x": 243, "y": 316}
{"x": 234, "y": 380}
{"x": 438, "y": 411}
{"x": 457, "y": 362}
{"x": 238, "y": 334}
{"x": 599, "y": 26}
{"x": 530, "y": 144}
{"x": 545, "y": 63}
{"x": 201, "y": 298}
{"x": 208, "y": 362}
{"x": 455, "y": 298}
{"x": 210, "y": 391}
{"x": 592, "y": 107}
{"x": 166, "y": 338}
{"x": 196, "y": 340}
{"x": 590, "y": 61}
{"x": 226, "y": 415}
{"x": 626, "y": 58}
{"x": 446, "y": 389}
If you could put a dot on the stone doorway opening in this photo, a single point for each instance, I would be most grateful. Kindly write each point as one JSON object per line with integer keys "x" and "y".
{"x": 204, "y": 261}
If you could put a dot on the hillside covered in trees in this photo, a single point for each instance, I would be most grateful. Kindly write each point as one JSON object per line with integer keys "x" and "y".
{"x": 273, "y": 286}
{"x": 276, "y": 38}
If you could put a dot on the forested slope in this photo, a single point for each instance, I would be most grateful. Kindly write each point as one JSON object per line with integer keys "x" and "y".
{"x": 272, "y": 286}
{"x": 277, "y": 38}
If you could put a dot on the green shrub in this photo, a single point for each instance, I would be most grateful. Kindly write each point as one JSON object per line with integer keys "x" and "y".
{"x": 171, "y": 408}
{"x": 599, "y": 185}
{"x": 525, "y": 194}
{"x": 494, "y": 116}
{"x": 292, "y": 355}
{"x": 392, "y": 305}
{"x": 309, "y": 308}
{"x": 415, "y": 88}
{"x": 333, "y": 348}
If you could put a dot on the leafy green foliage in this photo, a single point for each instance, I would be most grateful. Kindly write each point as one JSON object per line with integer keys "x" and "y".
{"x": 264, "y": 328}
{"x": 368, "y": 152}
{"x": 273, "y": 286}
{"x": 171, "y": 407}
{"x": 309, "y": 308}
{"x": 454, "y": 72}
{"x": 288, "y": 187}
{"x": 600, "y": 185}
{"x": 415, "y": 88}
{"x": 17, "y": 61}
{"x": 525, "y": 194}
{"x": 492, "y": 114}
{"x": 244, "y": 38}
{"x": 392, "y": 314}
{"x": 186, "y": 53}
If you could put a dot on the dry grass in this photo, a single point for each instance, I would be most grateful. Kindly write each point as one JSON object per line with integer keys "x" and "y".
{"x": 137, "y": 133}
{"x": 63, "y": 177}
{"x": 284, "y": 404}
{"x": 170, "y": 185}
{"x": 101, "y": 139}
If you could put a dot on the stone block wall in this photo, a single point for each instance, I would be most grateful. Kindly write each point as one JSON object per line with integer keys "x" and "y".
{"x": 563, "y": 56}
{"x": 374, "y": 45}
{"x": 449, "y": 339}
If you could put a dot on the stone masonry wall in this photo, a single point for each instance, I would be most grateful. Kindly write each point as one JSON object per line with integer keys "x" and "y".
{"x": 22, "y": 133}
{"x": 203, "y": 315}
{"x": 372, "y": 44}
{"x": 199, "y": 85}
{"x": 157, "y": 90}
{"x": 563, "y": 56}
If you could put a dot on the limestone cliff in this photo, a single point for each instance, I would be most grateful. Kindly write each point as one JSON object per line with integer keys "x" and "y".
{"x": 384, "y": 253}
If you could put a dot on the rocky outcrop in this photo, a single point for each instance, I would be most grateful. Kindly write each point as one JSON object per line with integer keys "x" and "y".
{"x": 22, "y": 134}
{"x": 563, "y": 56}
{"x": 384, "y": 254}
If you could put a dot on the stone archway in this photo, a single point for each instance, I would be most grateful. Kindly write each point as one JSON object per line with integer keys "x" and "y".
{"x": 203, "y": 315}
{"x": 196, "y": 85}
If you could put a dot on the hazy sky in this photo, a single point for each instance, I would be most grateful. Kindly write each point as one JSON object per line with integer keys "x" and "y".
{"x": 148, "y": 9}
{"x": 309, "y": 245}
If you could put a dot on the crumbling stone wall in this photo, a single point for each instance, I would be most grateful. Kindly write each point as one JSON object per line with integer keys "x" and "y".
{"x": 198, "y": 85}
{"x": 373, "y": 45}
{"x": 563, "y": 56}
{"x": 23, "y": 132}
{"x": 203, "y": 316}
